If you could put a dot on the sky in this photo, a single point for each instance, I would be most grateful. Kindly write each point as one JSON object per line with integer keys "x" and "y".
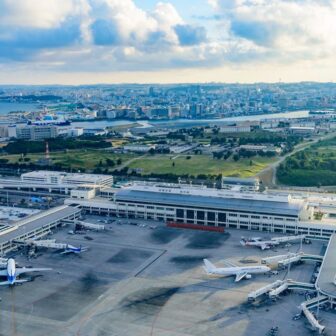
{"x": 179, "y": 41}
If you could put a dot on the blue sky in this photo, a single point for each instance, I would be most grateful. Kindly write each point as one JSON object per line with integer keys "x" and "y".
{"x": 114, "y": 41}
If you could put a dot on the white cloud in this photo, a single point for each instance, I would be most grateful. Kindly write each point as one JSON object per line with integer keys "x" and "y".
{"x": 122, "y": 22}
{"x": 301, "y": 26}
{"x": 114, "y": 35}
{"x": 38, "y": 13}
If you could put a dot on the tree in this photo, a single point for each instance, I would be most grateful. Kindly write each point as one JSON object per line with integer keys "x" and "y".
{"x": 236, "y": 157}
{"x": 110, "y": 163}
{"x": 119, "y": 161}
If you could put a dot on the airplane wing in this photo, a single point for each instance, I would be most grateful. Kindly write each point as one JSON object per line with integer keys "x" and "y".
{"x": 240, "y": 276}
{"x": 17, "y": 281}
{"x": 70, "y": 251}
{"x": 7, "y": 283}
{"x": 66, "y": 252}
{"x": 28, "y": 270}
{"x": 3, "y": 272}
{"x": 4, "y": 283}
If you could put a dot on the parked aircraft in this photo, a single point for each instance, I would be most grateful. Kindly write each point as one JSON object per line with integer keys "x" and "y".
{"x": 267, "y": 244}
{"x": 11, "y": 273}
{"x": 239, "y": 272}
{"x": 263, "y": 244}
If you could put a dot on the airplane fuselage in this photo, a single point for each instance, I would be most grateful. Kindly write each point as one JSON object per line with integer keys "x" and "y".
{"x": 236, "y": 270}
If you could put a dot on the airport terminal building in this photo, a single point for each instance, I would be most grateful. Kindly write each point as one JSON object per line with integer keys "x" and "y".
{"x": 45, "y": 181}
{"x": 69, "y": 180}
{"x": 211, "y": 207}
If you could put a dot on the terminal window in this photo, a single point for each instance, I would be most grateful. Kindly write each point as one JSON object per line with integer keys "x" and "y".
{"x": 222, "y": 217}
{"x": 200, "y": 215}
{"x": 180, "y": 213}
{"x": 211, "y": 216}
{"x": 190, "y": 214}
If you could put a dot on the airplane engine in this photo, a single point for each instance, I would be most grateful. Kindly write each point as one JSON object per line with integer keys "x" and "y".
{"x": 243, "y": 242}
{"x": 248, "y": 276}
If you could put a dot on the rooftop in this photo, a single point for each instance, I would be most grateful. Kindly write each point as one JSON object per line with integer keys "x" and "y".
{"x": 235, "y": 180}
{"x": 326, "y": 279}
{"x": 48, "y": 173}
{"x": 37, "y": 221}
{"x": 211, "y": 202}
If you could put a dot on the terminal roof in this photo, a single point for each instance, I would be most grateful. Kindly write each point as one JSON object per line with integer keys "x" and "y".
{"x": 326, "y": 278}
{"x": 38, "y": 221}
{"x": 220, "y": 203}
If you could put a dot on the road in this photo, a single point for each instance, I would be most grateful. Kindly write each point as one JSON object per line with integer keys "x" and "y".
{"x": 273, "y": 167}
{"x": 128, "y": 162}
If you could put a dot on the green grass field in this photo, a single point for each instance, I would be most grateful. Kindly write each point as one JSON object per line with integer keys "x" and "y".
{"x": 312, "y": 167}
{"x": 199, "y": 164}
{"x": 76, "y": 159}
{"x": 158, "y": 164}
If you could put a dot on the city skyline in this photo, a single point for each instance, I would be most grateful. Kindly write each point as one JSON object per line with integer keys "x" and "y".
{"x": 148, "y": 41}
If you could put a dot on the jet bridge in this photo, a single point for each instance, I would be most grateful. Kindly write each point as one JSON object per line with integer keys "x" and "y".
{"x": 279, "y": 286}
{"x": 305, "y": 306}
{"x": 264, "y": 290}
{"x": 275, "y": 292}
{"x": 300, "y": 257}
{"x": 277, "y": 258}
{"x": 86, "y": 225}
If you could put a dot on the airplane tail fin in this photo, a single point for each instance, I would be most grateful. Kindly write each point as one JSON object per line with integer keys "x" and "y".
{"x": 208, "y": 266}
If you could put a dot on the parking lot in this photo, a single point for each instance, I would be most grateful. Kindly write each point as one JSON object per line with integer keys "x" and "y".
{"x": 141, "y": 278}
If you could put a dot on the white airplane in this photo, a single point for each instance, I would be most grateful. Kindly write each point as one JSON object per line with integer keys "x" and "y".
{"x": 11, "y": 272}
{"x": 239, "y": 272}
{"x": 263, "y": 244}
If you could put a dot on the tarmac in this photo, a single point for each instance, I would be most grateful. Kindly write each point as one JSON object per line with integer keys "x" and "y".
{"x": 137, "y": 280}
